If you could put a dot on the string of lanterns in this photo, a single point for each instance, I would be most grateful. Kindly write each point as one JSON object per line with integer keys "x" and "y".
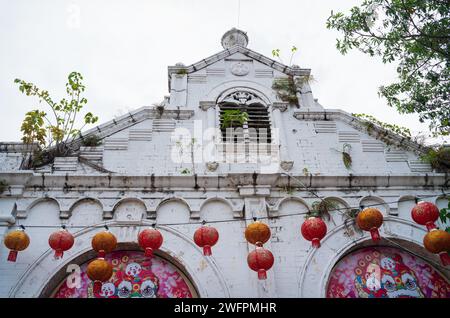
{"x": 256, "y": 233}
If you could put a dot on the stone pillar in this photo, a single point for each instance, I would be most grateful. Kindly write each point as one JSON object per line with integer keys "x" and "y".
{"x": 255, "y": 206}
{"x": 210, "y": 108}
{"x": 178, "y": 90}
{"x": 285, "y": 161}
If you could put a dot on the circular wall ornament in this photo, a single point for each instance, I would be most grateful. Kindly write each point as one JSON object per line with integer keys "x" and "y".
{"x": 240, "y": 69}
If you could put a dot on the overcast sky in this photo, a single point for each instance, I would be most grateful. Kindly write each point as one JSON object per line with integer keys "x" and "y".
{"x": 123, "y": 48}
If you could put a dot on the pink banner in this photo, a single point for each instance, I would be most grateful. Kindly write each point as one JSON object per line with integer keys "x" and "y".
{"x": 134, "y": 276}
{"x": 385, "y": 272}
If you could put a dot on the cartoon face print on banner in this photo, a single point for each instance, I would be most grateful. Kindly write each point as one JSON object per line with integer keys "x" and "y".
{"x": 385, "y": 272}
{"x": 134, "y": 276}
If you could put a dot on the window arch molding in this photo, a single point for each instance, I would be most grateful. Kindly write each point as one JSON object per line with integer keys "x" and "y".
{"x": 256, "y": 95}
{"x": 258, "y": 127}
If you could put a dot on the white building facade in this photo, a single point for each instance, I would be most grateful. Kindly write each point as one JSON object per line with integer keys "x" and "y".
{"x": 171, "y": 166}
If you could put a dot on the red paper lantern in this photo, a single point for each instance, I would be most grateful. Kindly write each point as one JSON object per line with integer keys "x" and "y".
{"x": 60, "y": 241}
{"x": 99, "y": 271}
{"x": 150, "y": 240}
{"x": 16, "y": 241}
{"x": 370, "y": 219}
{"x": 206, "y": 236}
{"x": 425, "y": 213}
{"x": 438, "y": 242}
{"x": 314, "y": 229}
{"x": 260, "y": 260}
{"x": 104, "y": 242}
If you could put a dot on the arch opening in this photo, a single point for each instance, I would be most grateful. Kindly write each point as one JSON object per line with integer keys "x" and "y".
{"x": 385, "y": 272}
{"x": 134, "y": 276}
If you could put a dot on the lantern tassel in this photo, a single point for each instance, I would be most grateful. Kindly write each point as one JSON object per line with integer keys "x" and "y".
{"x": 445, "y": 258}
{"x": 97, "y": 287}
{"x": 262, "y": 274}
{"x": 207, "y": 250}
{"x": 315, "y": 242}
{"x": 12, "y": 256}
{"x": 101, "y": 254}
{"x": 58, "y": 254}
{"x": 375, "y": 234}
{"x": 148, "y": 252}
{"x": 430, "y": 226}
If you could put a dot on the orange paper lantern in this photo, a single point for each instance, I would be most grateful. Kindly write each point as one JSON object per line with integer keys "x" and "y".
{"x": 370, "y": 219}
{"x": 99, "y": 271}
{"x": 104, "y": 242}
{"x": 438, "y": 242}
{"x": 16, "y": 241}
{"x": 257, "y": 233}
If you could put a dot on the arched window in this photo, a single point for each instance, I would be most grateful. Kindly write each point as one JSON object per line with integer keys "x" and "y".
{"x": 244, "y": 117}
{"x": 385, "y": 272}
{"x": 134, "y": 276}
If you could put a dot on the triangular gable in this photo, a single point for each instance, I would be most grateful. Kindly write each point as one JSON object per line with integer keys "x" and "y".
{"x": 288, "y": 70}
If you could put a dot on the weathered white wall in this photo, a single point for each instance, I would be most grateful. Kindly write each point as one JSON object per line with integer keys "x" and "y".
{"x": 132, "y": 181}
{"x": 298, "y": 271}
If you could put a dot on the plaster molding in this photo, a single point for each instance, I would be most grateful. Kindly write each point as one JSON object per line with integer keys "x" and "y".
{"x": 281, "y": 106}
{"x": 205, "y": 105}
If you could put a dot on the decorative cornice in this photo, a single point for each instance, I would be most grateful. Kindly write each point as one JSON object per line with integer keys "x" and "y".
{"x": 45, "y": 181}
{"x": 282, "y": 106}
{"x": 205, "y": 105}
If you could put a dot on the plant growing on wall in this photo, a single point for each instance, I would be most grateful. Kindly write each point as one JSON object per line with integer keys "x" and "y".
{"x": 91, "y": 141}
{"x": 191, "y": 148}
{"x": 286, "y": 89}
{"x": 444, "y": 216}
{"x": 372, "y": 121}
{"x": 53, "y": 130}
{"x": 3, "y": 186}
{"x": 438, "y": 157}
{"x": 349, "y": 217}
{"x": 322, "y": 208}
{"x": 233, "y": 118}
{"x": 346, "y": 158}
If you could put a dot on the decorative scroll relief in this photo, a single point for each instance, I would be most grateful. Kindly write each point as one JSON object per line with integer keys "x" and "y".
{"x": 240, "y": 69}
{"x": 134, "y": 276}
{"x": 243, "y": 98}
{"x": 385, "y": 272}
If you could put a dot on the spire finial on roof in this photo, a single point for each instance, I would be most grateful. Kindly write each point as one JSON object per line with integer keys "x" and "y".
{"x": 234, "y": 37}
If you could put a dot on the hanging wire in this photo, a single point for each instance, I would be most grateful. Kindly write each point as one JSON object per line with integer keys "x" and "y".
{"x": 220, "y": 221}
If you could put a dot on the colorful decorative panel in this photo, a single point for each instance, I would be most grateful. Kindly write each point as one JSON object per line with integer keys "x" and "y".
{"x": 385, "y": 272}
{"x": 135, "y": 276}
